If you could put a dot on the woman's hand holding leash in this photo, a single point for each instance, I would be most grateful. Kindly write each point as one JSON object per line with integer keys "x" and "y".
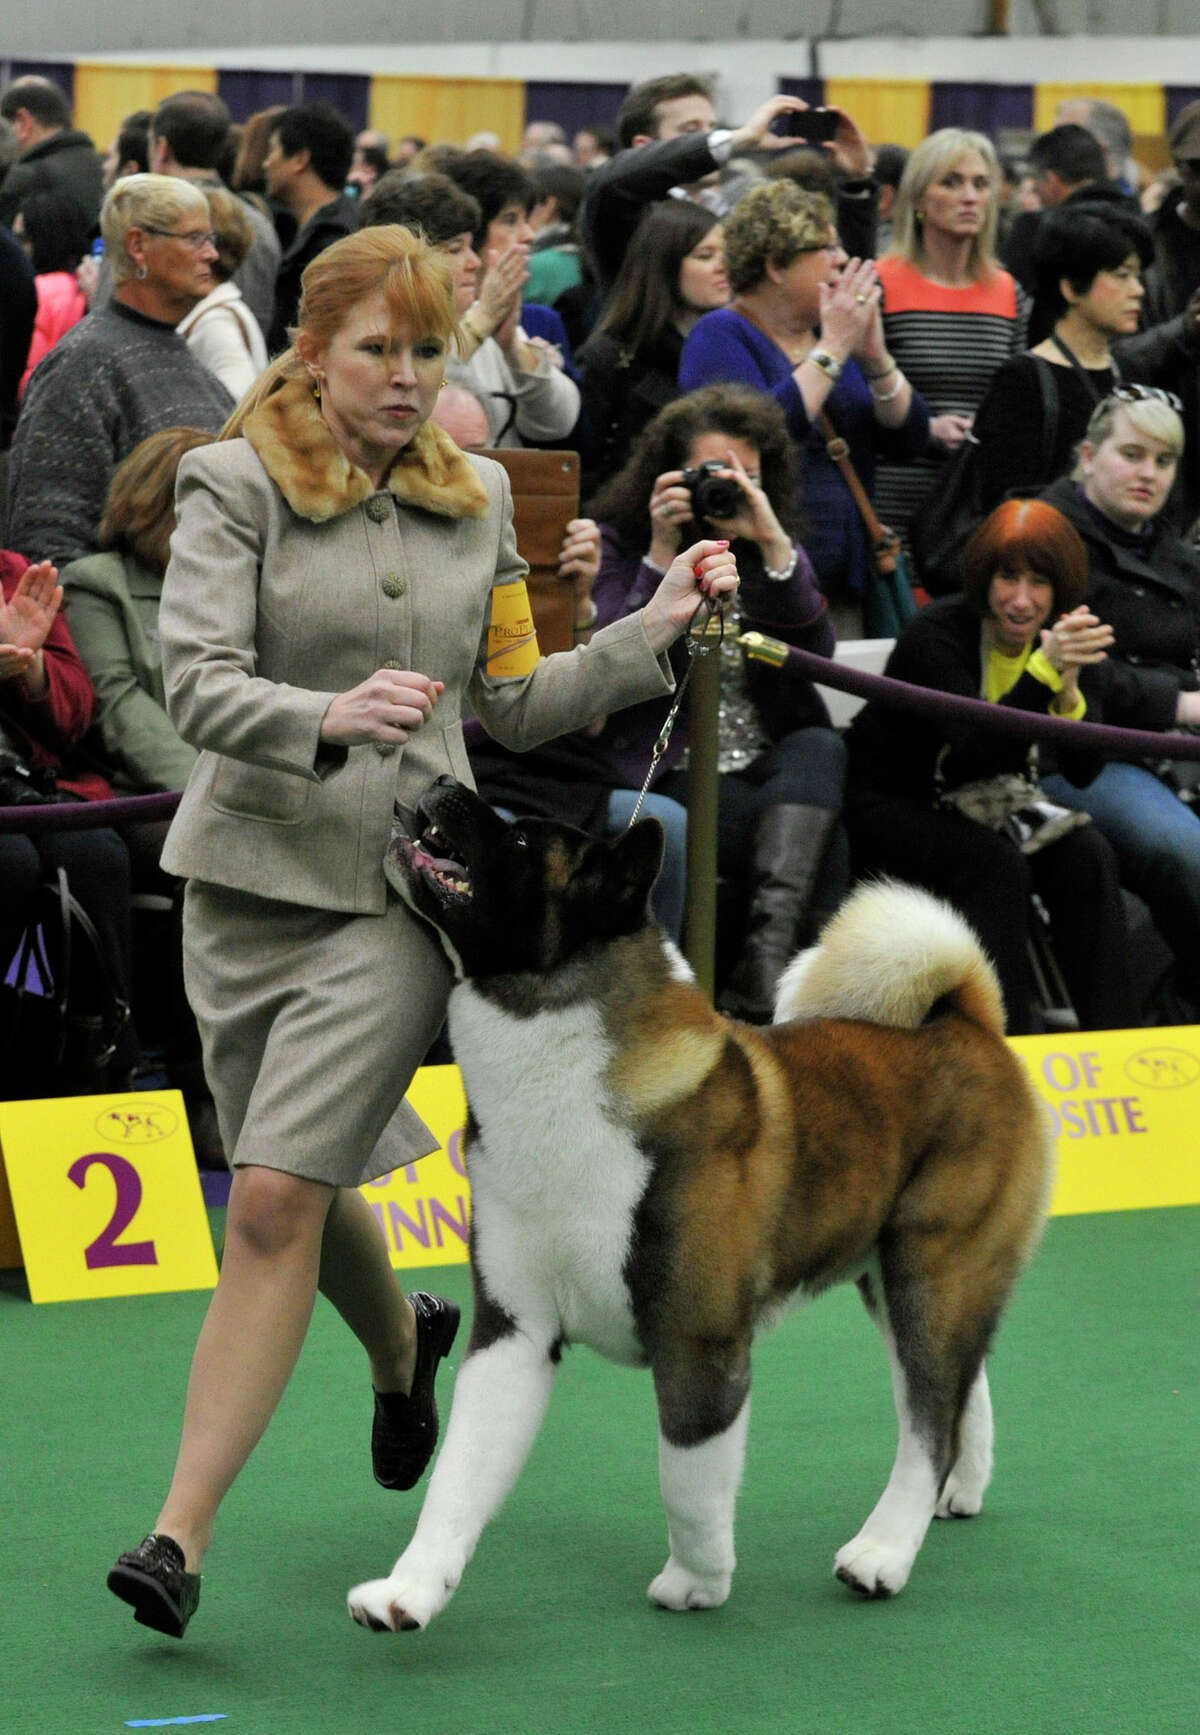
{"x": 705, "y": 572}
{"x": 387, "y": 707}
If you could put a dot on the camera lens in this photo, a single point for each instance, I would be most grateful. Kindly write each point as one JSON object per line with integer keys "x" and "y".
{"x": 716, "y": 497}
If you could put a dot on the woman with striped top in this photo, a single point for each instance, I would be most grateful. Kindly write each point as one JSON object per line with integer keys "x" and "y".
{"x": 951, "y": 315}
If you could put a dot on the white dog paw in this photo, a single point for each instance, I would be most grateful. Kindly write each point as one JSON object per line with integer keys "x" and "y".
{"x": 959, "y": 1499}
{"x": 392, "y": 1605}
{"x": 873, "y": 1567}
{"x": 677, "y": 1588}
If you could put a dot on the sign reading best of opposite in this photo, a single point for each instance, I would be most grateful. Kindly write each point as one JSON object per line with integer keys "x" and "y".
{"x": 107, "y": 1200}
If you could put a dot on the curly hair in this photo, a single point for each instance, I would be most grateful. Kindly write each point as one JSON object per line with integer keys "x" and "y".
{"x": 430, "y": 204}
{"x": 739, "y": 413}
{"x": 1026, "y": 535}
{"x": 772, "y": 224}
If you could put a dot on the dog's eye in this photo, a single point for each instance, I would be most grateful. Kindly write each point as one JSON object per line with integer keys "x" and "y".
{"x": 519, "y": 838}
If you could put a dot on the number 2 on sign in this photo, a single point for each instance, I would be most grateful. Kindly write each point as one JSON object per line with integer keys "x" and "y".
{"x": 106, "y": 1250}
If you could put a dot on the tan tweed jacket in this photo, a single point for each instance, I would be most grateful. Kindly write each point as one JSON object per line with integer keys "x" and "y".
{"x": 292, "y": 580}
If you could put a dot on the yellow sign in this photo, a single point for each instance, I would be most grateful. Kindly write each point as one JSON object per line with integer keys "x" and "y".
{"x": 424, "y": 1209}
{"x": 1126, "y": 1110}
{"x": 106, "y": 1196}
{"x": 512, "y": 646}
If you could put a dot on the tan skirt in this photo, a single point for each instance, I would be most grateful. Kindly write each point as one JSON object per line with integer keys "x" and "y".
{"x": 313, "y": 1023}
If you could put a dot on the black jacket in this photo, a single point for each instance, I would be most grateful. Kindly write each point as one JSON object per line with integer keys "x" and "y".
{"x": 1150, "y": 596}
{"x": 67, "y": 162}
{"x": 323, "y": 228}
{"x": 620, "y": 396}
{"x": 895, "y": 753}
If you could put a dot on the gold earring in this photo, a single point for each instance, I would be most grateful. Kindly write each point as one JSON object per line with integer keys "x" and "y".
{"x": 444, "y": 384}
{"x": 316, "y": 389}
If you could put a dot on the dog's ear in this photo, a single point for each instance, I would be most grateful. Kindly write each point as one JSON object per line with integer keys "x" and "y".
{"x": 630, "y": 867}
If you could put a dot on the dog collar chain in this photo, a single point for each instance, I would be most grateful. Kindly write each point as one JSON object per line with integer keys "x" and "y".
{"x": 696, "y": 647}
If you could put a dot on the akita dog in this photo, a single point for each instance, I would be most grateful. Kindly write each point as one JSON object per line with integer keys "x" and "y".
{"x": 657, "y": 1181}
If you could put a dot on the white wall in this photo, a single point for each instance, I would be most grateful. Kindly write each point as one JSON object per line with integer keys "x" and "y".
{"x": 753, "y": 42}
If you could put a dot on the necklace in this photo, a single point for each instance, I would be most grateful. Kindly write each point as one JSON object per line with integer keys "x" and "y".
{"x": 793, "y": 347}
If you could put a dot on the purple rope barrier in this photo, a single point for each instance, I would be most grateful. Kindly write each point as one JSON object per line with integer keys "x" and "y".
{"x": 1004, "y": 719}
{"x": 88, "y": 815}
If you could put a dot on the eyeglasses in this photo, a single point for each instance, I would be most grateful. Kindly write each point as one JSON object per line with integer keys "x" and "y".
{"x": 1147, "y": 395}
{"x": 195, "y": 238}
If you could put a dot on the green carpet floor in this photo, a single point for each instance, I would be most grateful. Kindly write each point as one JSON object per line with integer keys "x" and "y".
{"x": 1070, "y": 1606}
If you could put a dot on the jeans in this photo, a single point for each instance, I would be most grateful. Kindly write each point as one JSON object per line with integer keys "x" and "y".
{"x": 1157, "y": 840}
{"x": 666, "y": 900}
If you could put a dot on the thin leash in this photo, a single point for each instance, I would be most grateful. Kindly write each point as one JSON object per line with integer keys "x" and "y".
{"x": 697, "y": 646}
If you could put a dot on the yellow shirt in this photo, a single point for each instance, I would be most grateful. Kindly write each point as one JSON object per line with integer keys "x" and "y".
{"x": 1001, "y": 674}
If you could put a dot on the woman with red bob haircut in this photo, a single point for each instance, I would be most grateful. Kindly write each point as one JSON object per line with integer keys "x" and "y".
{"x": 933, "y": 800}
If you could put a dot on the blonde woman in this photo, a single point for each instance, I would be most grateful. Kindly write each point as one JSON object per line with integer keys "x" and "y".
{"x": 951, "y": 315}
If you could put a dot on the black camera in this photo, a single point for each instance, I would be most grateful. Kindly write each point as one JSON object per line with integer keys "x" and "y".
{"x": 25, "y": 785}
{"x": 815, "y": 126}
{"x": 713, "y": 495}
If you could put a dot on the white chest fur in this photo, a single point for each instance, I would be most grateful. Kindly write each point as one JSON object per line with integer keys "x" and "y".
{"x": 555, "y": 1178}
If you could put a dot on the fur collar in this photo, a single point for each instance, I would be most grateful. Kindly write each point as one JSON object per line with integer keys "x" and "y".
{"x": 318, "y": 481}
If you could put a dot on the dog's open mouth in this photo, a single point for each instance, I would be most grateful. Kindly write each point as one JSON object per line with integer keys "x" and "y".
{"x": 430, "y": 855}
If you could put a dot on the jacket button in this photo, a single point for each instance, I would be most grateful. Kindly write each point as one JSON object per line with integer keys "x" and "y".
{"x": 385, "y": 749}
{"x": 379, "y": 508}
{"x": 393, "y": 585}
{"x": 393, "y": 663}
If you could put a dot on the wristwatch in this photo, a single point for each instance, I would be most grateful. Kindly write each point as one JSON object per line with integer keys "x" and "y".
{"x": 828, "y": 364}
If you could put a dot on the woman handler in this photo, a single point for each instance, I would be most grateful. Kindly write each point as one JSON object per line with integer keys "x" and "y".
{"x": 342, "y": 579}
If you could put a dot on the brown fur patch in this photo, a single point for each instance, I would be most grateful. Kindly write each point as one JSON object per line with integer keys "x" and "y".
{"x": 318, "y": 481}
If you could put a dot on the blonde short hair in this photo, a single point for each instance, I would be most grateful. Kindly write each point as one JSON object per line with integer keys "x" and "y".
{"x": 771, "y": 224}
{"x": 1153, "y": 417}
{"x": 931, "y": 158}
{"x": 156, "y": 201}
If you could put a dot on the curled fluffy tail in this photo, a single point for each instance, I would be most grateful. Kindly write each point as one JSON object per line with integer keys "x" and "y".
{"x": 891, "y": 952}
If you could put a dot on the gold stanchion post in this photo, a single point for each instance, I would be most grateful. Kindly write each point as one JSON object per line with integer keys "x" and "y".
{"x": 700, "y": 906}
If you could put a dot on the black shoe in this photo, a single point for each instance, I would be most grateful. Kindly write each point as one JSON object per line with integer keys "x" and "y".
{"x": 153, "y": 1579}
{"x": 405, "y": 1428}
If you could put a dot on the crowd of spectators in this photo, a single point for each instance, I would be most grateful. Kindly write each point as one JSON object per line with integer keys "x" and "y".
{"x": 807, "y": 323}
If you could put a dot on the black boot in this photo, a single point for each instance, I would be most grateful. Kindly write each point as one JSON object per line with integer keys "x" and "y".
{"x": 789, "y": 844}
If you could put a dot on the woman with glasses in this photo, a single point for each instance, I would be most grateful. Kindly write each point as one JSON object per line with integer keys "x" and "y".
{"x": 951, "y": 315}
{"x": 804, "y": 325}
{"x": 119, "y": 375}
{"x": 1145, "y": 582}
{"x": 1088, "y": 261}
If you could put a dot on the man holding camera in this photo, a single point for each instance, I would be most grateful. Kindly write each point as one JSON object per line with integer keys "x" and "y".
{"x": 671, "y": 146}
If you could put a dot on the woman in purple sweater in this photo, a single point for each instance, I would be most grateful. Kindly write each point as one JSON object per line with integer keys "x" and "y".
{"x": 804, "y": 325}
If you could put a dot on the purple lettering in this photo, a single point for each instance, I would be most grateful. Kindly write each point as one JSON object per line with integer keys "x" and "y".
{"x": 1133, "y": 1113}
{"x": 454, "y": 1151}
{"x": 1090, "y": 1062}
{"x": 457, "y": 1226}
{"x": 1055, "y": 1063}
{"x": 399, "y": 1221}
{"x": 106, "y": 1251}
{"x": 1075, "y": 1128}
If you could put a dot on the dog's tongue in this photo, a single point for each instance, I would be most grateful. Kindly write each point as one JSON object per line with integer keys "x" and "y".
{"x": 439, "y": 864}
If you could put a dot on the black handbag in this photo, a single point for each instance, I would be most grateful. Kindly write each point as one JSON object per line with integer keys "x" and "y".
{"x": 954, "y": 511}
{"x": 56, "y": 1041}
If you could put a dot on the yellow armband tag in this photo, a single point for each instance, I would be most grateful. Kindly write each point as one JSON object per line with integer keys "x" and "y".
{"x": 512, "y": 646}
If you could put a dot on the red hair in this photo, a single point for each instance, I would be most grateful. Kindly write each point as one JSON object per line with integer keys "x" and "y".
{"x": 1022, "y": 535}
